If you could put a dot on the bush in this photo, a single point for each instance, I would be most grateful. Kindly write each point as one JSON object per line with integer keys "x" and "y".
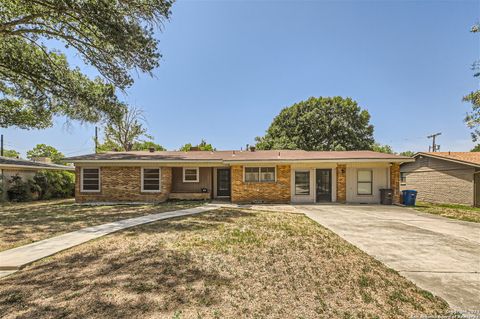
{"x": 19, "y": 190}
{"x": 52, "y": 184}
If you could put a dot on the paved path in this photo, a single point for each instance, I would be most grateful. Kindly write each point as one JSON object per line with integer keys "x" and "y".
{"x": 13, "y": 259}
{"x": 439, "y": 254}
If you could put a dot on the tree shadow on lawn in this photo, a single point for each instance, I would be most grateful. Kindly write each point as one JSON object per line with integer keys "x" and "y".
{"x": 112, "y": 279}
{"x": 21, "y": 225}
{"x": 150, "y": 282}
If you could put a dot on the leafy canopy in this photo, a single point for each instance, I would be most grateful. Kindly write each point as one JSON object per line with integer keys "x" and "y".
{"x": 320, "y": 124}
{"x": 202, "y": 146}
{"x": 43, "y": 150}
{"x": 472, "y": 119}
{"x": 115, "y": 37}
{"x": 382, "y": 148}
{"x": 11, "y": 153}
{"x": 407, "y": 153}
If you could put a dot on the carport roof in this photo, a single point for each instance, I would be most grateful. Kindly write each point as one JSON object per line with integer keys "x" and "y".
{"x": 20, "y": 163}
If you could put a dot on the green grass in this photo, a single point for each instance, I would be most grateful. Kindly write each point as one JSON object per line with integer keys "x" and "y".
{"x": 454, "y": 211}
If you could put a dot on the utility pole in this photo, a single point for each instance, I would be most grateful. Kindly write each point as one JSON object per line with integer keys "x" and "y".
{"x": 435, "y": 147}
{"x": 96, "y": 139}
{"x": 1, "y": 145}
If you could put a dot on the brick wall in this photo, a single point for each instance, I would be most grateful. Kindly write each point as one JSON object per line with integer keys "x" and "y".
{"x": 274, "y": 192}
{"x": 123, "y": 184}
{"x": 440, "y": 181}
{"x": 341, "y": 183}
{"x": 395, "y": 182}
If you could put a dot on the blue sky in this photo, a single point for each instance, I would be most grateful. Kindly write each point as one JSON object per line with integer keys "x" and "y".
{"x": 229, "y": 67}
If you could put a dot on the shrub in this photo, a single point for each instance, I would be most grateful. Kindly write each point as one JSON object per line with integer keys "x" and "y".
{"x": 55, "y": 184}
{"x": 19, "y": 190}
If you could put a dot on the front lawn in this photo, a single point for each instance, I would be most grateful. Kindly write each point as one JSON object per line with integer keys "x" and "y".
{"x": 460, "y": 212}
{"x": 220, "y": 264}
{"x": 23, "y": 223}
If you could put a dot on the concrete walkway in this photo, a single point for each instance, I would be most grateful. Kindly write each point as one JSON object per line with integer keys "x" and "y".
{"x": 438, "y": 254}
{"x": 14, "y": 259}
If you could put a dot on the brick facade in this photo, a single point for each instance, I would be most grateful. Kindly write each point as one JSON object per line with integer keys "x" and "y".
{"x": 341, "y": 183}
{"x": 440, "y": 181}
{"x": 123, "y": 184}
{"x": 395, "y": 182}
{"x": 268, "y": 192}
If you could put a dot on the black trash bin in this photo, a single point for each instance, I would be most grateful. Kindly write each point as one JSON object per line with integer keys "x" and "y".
{"x": 386, "y": 196}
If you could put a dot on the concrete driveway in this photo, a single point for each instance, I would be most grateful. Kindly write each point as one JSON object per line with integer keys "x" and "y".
{"x": 439, "y": 254}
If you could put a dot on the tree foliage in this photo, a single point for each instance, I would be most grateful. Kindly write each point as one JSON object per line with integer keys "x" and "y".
{"x": 320, "y": 124}
{"x": 54, "y": 184}
{"x": 127, "y": 130}
{"x": 43, "y": 150}
{"x": 11, "y": 153}
{"x": 407, "y": 153}
{"x": 202, "y": 146}
{"x": 115, "y": 37}
{"x": 472, "y": 119}
{"x": 476, "y": 148}
{"x": 377, "y": 147}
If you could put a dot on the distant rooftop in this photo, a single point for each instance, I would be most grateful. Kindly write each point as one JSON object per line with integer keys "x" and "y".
{"x": 232, "y": 156}
{"x": 466, "y": 157}
{"x": 23, "y": 163}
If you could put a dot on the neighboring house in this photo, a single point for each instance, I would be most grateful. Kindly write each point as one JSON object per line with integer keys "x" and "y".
{"x": 277, "y": 176}
{"x": 26, "y": 169}
{"x": 444, "y": 177}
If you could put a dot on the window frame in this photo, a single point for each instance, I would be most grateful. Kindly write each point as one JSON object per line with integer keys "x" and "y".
{"x": 295, "y": 182}
{"x": 82, "y": 190}
{"x": 363, "y": 182}
{"x": 142, "y": 180}
{"x": 197, "y": 180}
{"x": 259, "y": 168}
{"x": 403, "y": 177}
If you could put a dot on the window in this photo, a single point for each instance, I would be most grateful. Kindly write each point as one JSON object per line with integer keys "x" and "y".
{"x": 90, "y": 180}
{"x": 302, "y": 183}
{"x": 364, "y": 182}
{"x": 190, "y": 174}
{"x": 151, "y": 179}
{"x": 267, "y": 174}
{"x": 251, "y": 174}
{"x": 259, "y": 174}
{"x": 403, "y": 177}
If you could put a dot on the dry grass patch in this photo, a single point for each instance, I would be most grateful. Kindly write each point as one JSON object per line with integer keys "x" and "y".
{"x": 23, "y": 223}
{"x": 220, "y": 264}
{"x": 460, "y": 212}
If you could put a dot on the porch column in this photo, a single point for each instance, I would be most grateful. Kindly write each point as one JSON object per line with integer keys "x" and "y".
{"x": 395, "y": 182}
{"x": 341, "y": 183}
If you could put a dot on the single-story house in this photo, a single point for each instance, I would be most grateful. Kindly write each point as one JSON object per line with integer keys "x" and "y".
{"x": 274, "y": 176}
{"x": 26, "y": 169}
{"x": 444, "y": 177}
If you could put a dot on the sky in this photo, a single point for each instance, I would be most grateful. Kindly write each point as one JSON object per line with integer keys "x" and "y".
{"x": 229, "y": 67}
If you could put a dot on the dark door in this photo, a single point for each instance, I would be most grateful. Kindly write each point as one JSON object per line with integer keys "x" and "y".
{"x": 324, "y": 185}
{"x": 223, "y": 182}
{"x": 477, "y": 188}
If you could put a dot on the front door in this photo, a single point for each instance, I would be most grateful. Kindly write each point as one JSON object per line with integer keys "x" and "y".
{"x": 223, "y": 182}
{"x": 324, "y": 185}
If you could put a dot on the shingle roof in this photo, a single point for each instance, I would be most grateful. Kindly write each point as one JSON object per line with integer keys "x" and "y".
{"x": 19, "y": 163}
{"x": 229, "y": 156}
{"x": 466, "y": 157}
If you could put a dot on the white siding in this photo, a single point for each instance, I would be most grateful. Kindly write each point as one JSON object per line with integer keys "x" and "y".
{"x": 380, "y": 180}
{"x": 312, "y": 169}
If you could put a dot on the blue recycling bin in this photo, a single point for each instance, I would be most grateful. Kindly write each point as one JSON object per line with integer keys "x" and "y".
{"x": 409, "y": 197}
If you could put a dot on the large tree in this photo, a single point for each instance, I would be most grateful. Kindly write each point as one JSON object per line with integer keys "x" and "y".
{"x": 320, "y": 124}
{"x": 37, "y": 82}
{"x": 125, "y": 133}
{"x": 473, "y": 118}
{"x": 43, "y": 150}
